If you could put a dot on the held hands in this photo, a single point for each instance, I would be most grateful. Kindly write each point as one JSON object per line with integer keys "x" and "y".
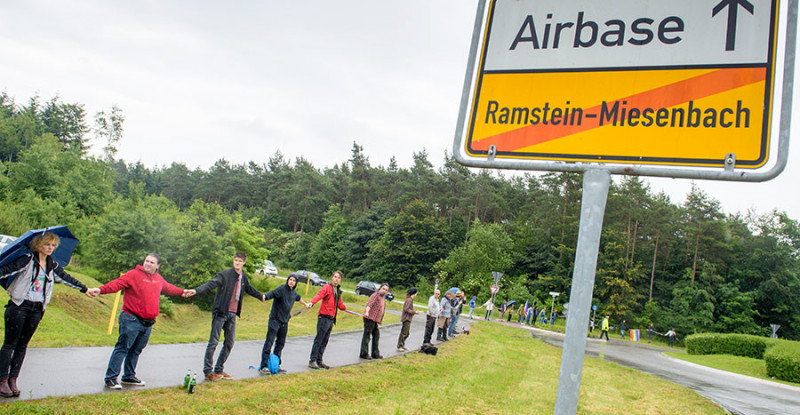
{"x": 188, "y": 293}
{"x": 93, "y": 292}
{"x": 263, "y": 297}
{"x": 309, "y": 305}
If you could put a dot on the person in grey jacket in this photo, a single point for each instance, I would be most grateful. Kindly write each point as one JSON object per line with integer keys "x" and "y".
{"x": 433, "y": 314}
{"x": 283, "y": 299}
{"x": 229, "y": 284}
{"x": 445, "y": 312}
{"x": 30, "y": 293}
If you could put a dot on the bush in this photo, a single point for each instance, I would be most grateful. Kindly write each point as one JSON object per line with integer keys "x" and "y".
{"x": 783, "y": 361}
{"x": 733, "y": 344}
{"x": 166, "y": 307}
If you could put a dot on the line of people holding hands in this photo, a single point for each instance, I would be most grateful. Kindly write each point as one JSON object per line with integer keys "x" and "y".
{"x": 30, "y": 289}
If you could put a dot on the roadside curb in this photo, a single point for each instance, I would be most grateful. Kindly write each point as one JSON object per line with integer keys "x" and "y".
{"x": 721, "y": 372}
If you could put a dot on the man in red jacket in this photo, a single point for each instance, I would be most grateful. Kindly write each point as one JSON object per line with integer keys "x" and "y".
{"x": 330, "y": 297}
{"x": 143, "y": 287}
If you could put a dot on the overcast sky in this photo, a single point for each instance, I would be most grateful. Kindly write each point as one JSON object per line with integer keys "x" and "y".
{"x": 203, "y": 80}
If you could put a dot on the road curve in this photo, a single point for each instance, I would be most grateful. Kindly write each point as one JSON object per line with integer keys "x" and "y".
{"x": 736, "y": 393}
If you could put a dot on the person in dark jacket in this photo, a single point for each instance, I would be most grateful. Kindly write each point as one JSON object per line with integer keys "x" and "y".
{"x": 230, "y": 284}
{"x": 283, "y": 298}
{"x": 29, "y": 294}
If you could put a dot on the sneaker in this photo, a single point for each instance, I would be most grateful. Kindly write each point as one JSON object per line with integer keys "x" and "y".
{"x": 323, "y": 365}
{"x": 380, "y": 356}
{"x": 313, "y": 365}
{"x": 134, "y": 381}
{"x": 113, "y": 384}
{"x": 213, "y": 377}
{"x": 283, "y": 371}
{"x": 366, "y": 357}
{"x": 401, "y": 349}
{"x": 264, "y": 371}
{"x": 225, "y": 376}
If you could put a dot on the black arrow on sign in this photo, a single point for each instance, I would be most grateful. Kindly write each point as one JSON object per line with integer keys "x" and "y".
{"x": 733, "y": 9}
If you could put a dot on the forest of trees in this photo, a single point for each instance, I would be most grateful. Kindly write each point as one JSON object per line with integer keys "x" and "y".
{"x": 688, "y": 266}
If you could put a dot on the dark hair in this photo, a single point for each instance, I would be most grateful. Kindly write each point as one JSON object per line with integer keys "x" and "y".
{"x": 241, "y": 255}
{"x": 411, "y": 291}
{"x": 156, "y": 256}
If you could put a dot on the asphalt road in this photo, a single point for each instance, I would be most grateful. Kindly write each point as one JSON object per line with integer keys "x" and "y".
{"x": 80, "y": 370}
{"x": 737, "y": 393}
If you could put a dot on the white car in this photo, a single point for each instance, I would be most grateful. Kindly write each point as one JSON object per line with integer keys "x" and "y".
{"x": 5, "y": 240}
{"x": 268, "y": 268}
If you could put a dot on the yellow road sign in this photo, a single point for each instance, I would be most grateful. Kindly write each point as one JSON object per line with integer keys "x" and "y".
{"x": 683, "y": 83}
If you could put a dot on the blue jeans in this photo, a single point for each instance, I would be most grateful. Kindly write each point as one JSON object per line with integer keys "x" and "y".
{"x": 227, "y": 323}
{"x": 133, "y": 337}
{"x": 453, "y": 321}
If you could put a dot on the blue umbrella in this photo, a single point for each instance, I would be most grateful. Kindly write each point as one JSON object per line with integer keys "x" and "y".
{"x": 453, "y": 290}
{"x": 21, "y": 246}
{"x": 510, "y": 303}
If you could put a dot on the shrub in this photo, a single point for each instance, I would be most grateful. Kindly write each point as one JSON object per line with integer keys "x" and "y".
{"x": 166, "y": 306}
{"x": 733, "y": 344}
{"x": 783, "y": 361}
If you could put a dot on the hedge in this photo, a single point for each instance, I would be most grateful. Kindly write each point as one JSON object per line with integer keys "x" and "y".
{"x": 734, "y": 344}
{"x": 783, "y": 361}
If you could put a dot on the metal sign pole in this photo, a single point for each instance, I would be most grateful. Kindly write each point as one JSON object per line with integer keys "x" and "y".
{"x": 552, "y": 307}
{"x": 593, "y": 206}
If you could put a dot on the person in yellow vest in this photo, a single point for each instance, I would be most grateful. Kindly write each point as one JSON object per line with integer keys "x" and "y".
{"x": 604, "y": 328}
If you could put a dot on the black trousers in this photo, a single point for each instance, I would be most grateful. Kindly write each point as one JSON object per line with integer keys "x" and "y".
{"x": 276, "y": 333}
{"x": 370, "y": 330}
{"x": 324, "y": 328}
{"x": 21, "y": 322}
{"x": 430, "y": 323}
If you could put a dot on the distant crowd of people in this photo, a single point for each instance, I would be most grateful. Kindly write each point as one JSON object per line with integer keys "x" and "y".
{"x": 524, "y": 314}
{"x": 623, "y": 331}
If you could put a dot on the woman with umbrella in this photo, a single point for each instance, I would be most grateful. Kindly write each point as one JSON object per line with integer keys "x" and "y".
{"x": 33, "y": 276}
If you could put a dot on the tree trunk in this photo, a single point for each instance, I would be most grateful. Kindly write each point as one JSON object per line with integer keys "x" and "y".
{"x": 564, "y": 211}
{"x": 627, "y": 241}
{"x": 653, "y": 268}
{"x": 633, "y": 243}
{"x": 694, "y": 262}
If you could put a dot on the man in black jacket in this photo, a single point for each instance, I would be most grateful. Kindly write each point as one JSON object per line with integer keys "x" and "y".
{"x": 283, "y": 298}
{"x": 227, "y": 306}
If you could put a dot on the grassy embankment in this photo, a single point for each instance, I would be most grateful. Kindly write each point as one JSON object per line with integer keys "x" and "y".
{"x": 73, "y": 319}
{"x": 495, "y": 370}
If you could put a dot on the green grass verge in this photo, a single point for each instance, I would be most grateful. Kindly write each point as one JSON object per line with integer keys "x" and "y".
{"x": 73, "y": 319}
{"x": 495, "y": 370}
